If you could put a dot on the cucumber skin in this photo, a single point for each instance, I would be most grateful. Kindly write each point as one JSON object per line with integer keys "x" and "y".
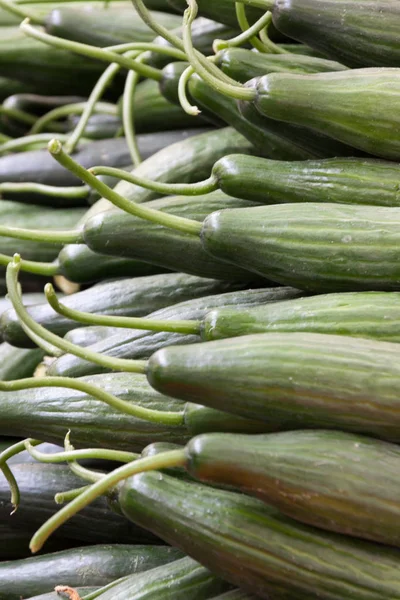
{"x": 341, "y": 105}
{"x": 363, "y": 33}
{"x": 356, "y": 314}
{"x": 17, "y": 363}
{"x": 315, "y": 247}
{"x": 223, "y": 11}
{"x": 339, "y": 180}
{"x": 89, "y": 565}
{"x": 321, "y": 478}
{"x": 252, "y": 545}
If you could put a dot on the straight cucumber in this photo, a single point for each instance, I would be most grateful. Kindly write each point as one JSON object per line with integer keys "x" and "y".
{"x": 99, "y": 127}
{"x": 15, "y": 543}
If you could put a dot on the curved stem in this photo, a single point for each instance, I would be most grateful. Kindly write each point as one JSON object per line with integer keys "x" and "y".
{"x": 23, "y": 143}
{"x": 63, "y": 497}
{"x": 68, "y": 109}
{"x": 8, "y": 474}
{"x": 178, "y": 223}
{"x": 67, "y": 236}
{"x": 21, "y": 12}
{"x": 185, "y": 327}
{"x": 247, "y": 35}
{"x": 77, "y": 469}
{"x": 91, "y": 453}
{"x": 128, "y": 106}
{"x": 31, "y": 266}
{"x": 79, "y": 191}
{"x": 90, "y": 51}
{"x": 174, "y": 458}
{"x": 140, "y": 47}
{"x": 265, "y": 45}
{"x": 18, "y": 115}
{"x": 190, "y": 109}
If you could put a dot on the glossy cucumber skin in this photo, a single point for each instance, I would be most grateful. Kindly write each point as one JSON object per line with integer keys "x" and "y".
{"x": 134, "y": 297}
{"x": 48, "y": 413}
{"x": 372, "y": 315}
{"x": 114, "y": 232}
{"x": 252, "y": 545}
{"x": 203, "y": 419}
{"x": 104, "y": 27}
{"x": 361, "y": 33}
{"x": 99, "y": 127}
{"x": 141, "y": 344}
{"x": 242, "y": 64}
{"x": 223, "y": 11}
{"x": 17, "y": 363}
{"x": 86, "y": 336}
{"x": 178, "y": 580}
{"x": 341, "y": 180}
{"x": 315, "y": 247}
{"x": 86, "y": 566}
{"x": 296, "y": 380}
{"x": 341, "y": 105}
{"x": 322, "y": 478}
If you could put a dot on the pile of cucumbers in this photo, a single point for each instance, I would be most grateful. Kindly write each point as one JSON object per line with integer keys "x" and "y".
{"x": 200, "y": 299}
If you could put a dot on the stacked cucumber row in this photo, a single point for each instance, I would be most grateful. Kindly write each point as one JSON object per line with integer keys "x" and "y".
{"x": 199, "y": 319}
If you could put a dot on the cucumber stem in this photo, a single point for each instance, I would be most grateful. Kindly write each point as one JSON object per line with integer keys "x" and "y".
{"x": 247, "y": 35}
{"x": 76, "y": 108}
{"x": 31, "y": 266}
{"x": 174, "y": 458}
{"x": 190, "y": 109}
{"x": 18, "y": 115}
{"x": 143, "y": 47}
{"x": 140, "y": 211}
{"x": 25, "y": 142}
{"x": 77, "y": 469}
{"x": 67, "y": 236}
{"x": 185, "y": 327}
{"x": 90, "y": 51}
{"x": 21, "y": 12}
{"x": 79, "y": 191}
{"x": 8, "y": 474}
{"x": 128, "y": 109}
{"x": 245, "y": 26}
{"x": 63, "y": 497}
{"x": 92, "y": 453}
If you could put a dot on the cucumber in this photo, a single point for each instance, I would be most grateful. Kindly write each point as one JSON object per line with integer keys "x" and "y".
{"x": 127, "y": 297}
{"x": 141, "y": 344}
{"x": 317, "y": 247}
{"x": 17, "y": 363}
{"x": 252, "y": 545}
{"x": 235, "y": 595}
{"x": 99, "y": 127}
{"x": 12, "y": 86}
{"x": 86, "y": 336}
{"x": 178, "y": 580}
{"x": 39, "y": 482}
{"x": 341, "y": 105}
{"x": 342, "y": 180}
{"x": 15, "y": 543}
{"x": 82, "y": 591}
{"x": 360, "y": 33}
{"x": 116, "y": 233}
{"x": 242, "y": 65}
{"x": 322, "y": 478}
{"x": 105, "y": 26}
{"x": 223, "y": 11}
{"x": 85, "y": 566}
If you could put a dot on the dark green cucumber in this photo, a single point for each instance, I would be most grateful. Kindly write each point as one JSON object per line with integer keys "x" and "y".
{"x": 12, "y": 86}
{"x": 222, "y": 11}
{"x": 105, "y": 26}
{"x": 252, "y": 545}
{"x": 162, "y": 5}
{"x": 141, "y": 344}
{"x": 360, "y": 314}
{"x": 116, "y": 233}
{"x": 317, "y": 247}
{"x": 126, "y": 297}
{"x": 16, "y": 363}
{"x": 242, "y": 65}
{"x": 329, "y": 479}
{"x": 294, "y": 48}
{"x": 272, "y": 139}
{"x": 361, "y": 33}
{"x": 85, "y": 566}
{"x": 342, "y": 180}
{"x": 15, "y": 543}
{"x": 39, "y": 483}
{"x": 99, "y": 127}
{"x": 341, "y": 105}
{"x": 235, "y": 595}
{"x": 178, "y": 580}
{"x": 299, "y": 380}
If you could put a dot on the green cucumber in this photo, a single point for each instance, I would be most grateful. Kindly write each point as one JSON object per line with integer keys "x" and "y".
{"x": 141, "y": 344}
{"x": 85, "y": 566}
{"x": 296, "y": 380}
{"x": 17, "y": 363}
{"x": 82, "y": 591}
{"x": 178, "y": 580}
{"x": 15, "y": 543}
{"x": 316, "y": 247}
{"x": 86, "y": 336}
{"x": 342, "y": 180}
{"x": 126, "y": 297}
{"x": 105, "y": 26}
{"x": 99, "y": 127}
{"x": 116, "y": 233}
{"x": 235, "y": 595}
{"x": 341, "y": 105}
{"x": 39, "y": 483}
{"x": 162, "y": 5}
{"x": 252, "y": 545}
{"x": 222, "y": 11}
{"x": 242, "y": 65}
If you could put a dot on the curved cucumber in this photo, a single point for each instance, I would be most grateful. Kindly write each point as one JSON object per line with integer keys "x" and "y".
{"x": 318, "y": 247}
{"x": 252, "y": 545}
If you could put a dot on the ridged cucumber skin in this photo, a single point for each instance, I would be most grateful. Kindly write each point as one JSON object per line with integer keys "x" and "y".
{"x": 271, "y": 138}
{"x": 252, "y": 545}
{"x": 361, "y": 33}
{"x": 341, "y": 105}
{"x": 133, "y": 297}
{"x": 372, "y": 315}
{"x": 322, "y": 478}
{"x": 178, "y": 580}
{"x": 39, "y": 483}
{"x": 297, "y": 380}
{"x": 141, "y": 344}
{"x": 48, "y": 413}
{"x": 316, "y": 247}
{"x": 105, "y": 27}
{"x": 17, "y": 363}
{"x": 85, "y": 566}
{"x": 337, "y": 180}
{"x": 116, "y": 233}
{"x": 242, "y": 64}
